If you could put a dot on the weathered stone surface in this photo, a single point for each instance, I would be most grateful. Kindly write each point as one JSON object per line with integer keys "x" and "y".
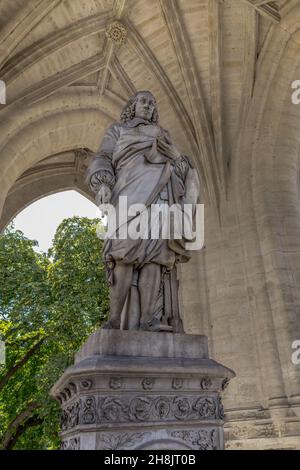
{"x": 143, "y": 344}
{"x": 242, "y": 290}
{"x": 121, "y": 393}
{"x": 138, "y": 162}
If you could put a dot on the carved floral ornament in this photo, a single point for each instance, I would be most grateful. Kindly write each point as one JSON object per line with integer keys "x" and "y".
{"x": 120, "y": 441}
{"x": 206, "y": 383}
{"x": 71, "y": 444}
{"x": 148, "y": 383}
{"x": 115, "y": 383}
{"x": 86, "y": 384}
{"x": 88, "y": 410}
{"x": 116, "y": 32}
{"x": 202, "y": 439}
{"x": 177, "y": 383}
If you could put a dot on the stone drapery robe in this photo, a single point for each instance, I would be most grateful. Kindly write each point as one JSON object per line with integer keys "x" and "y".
{"x": 129, "y": 162}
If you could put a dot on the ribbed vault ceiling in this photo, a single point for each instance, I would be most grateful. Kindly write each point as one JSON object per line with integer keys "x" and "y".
{"x": 199, "y": 57}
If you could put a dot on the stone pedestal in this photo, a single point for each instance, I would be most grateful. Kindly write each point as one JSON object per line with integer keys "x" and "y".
{"x": 133, "y": 390}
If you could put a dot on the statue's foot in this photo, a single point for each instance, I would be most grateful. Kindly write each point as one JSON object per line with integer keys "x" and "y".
{"x": 144, "y": 326}
{"x": 154, "y": 325}
{"x": 149, "y": 325}
{"x": 111, "y": 325}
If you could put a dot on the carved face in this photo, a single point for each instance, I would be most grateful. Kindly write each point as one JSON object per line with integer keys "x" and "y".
{"x": 144, "y": 106}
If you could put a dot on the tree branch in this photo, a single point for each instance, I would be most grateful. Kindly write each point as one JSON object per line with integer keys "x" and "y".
{"x": 20, "y": 364}
{"x": 29, "y": 423}
{"x": 16, "y": 422}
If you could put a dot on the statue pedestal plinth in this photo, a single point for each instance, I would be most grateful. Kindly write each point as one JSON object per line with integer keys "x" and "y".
{"x": 135, "y": 390}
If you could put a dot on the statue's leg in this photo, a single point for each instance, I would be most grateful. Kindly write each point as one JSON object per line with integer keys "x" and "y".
{"x": 118, "y": 292}
{"x": 149, "y": 284}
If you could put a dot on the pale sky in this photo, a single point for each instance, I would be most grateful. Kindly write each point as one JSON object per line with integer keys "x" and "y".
{"x": 40, "y": 220}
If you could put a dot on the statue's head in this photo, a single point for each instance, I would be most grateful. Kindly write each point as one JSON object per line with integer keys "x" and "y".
{"x": 142, "y": 105}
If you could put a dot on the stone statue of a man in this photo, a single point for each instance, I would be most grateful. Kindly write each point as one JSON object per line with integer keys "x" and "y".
{"x": 138, "y": 160}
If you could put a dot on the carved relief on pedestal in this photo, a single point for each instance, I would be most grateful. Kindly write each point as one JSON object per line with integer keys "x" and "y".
{"x": 137, "y": 406}
{"x": 221, "y": 408}
{"x": 121, "y": 441}
{"x": 82, "y": 411}
{"x": 115, "y": 383}
{"x": 70, "y": 444}
{"x": 205, "y": 383}
{"x": 148, "y": 383}
{"x": 204, "y": 439}
{"x": 111, "y": 409}
{"x": 182, "y": 408}
{"x": 139, "y": 409}
{"x": 206, "y": 407}
{"x": 177, "y": 384}
{"x": 70, "y": 416}
{"x": 89, "y": 410}
{"x": 86, "y": 384}
{"x": 200, "y": 439}
{"x": 162, "y": 408}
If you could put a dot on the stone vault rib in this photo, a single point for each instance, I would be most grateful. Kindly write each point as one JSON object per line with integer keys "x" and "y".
{"x": 118, "y": 72}
{"x": 202, "y": 125}
{"x": 215, "y": 61}
{"x": 266, "y": 8}
{"x": 44, "y": 88}
{"x": 24, "y": 22}
{"x": 52, "y": 43}
{"x": 144, "y": 52}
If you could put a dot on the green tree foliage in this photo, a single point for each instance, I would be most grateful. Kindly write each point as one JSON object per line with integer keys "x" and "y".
{"x": 49, "y": 305}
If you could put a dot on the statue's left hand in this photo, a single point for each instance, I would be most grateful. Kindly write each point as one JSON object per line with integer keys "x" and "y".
{"x": 167, "y": 149}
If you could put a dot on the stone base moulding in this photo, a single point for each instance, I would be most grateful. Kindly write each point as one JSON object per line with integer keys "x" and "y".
{"x": 138, "y": 391}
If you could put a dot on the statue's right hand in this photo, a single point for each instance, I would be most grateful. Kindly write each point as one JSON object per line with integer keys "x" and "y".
{"x": 103, "y": 195}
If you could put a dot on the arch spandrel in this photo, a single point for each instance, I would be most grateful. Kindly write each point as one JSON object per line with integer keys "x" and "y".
{"x": 61, "y": 172}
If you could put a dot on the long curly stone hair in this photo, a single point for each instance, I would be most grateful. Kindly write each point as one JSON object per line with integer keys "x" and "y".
{"x": 128, "y": 112}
